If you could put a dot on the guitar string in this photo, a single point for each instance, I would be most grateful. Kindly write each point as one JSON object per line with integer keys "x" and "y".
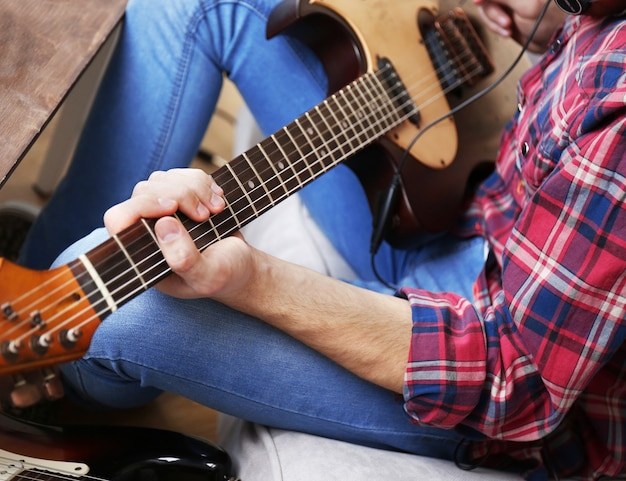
{"x": 324, "y": 132}
{"x": 413, "y": 86}
{"x": 36, "y": 329}
{"x": 94, "y": 318}
{"x": 376, "y": 100}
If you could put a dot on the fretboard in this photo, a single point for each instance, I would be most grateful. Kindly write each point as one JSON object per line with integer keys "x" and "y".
{"x": 254, "y": 182}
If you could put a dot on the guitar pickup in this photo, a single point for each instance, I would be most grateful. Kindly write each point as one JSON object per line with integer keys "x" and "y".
{"x": 456, "y": 50}
{"x": 401, "y": 96}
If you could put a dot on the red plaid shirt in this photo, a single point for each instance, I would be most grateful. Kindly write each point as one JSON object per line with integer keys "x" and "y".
{"x": 540, "y": 348}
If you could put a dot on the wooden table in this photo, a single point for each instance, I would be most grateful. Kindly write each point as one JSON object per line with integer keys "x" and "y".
{"x": 45, "y": 46}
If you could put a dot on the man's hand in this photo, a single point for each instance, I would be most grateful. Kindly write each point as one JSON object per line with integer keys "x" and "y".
{"x": 218, "y": 272}
{"x": 366, "y": 332}
{"x": 516, "y": 19}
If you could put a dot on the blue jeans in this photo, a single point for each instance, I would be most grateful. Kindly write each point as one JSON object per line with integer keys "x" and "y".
{"x": 241, "y": 366}
{"x": 158, "y": 96}
{"x": 151, "y": 113}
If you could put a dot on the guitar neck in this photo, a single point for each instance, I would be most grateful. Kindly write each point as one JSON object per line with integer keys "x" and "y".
{"x": 255, "y": 181}
{"x": 49, "y": 317}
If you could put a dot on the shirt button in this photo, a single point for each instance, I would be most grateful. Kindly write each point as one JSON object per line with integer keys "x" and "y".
{"x": 525, "y": 149}
{"x": 556, "y": 46}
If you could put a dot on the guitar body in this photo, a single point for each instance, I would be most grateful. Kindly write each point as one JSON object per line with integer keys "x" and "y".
{"x": 108, "y": 453}
{"x": 350, "y": 36}
{"x": 447, "y": 162}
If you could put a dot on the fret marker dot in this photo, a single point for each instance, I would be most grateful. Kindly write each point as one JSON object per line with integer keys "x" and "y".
{"x": 281, "y": 165}
{"x": 310, "y": 131}
{"x": 251, "y": 184}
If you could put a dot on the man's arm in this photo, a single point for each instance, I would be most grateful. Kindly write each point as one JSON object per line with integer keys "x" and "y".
{"x": 366, "y": 332}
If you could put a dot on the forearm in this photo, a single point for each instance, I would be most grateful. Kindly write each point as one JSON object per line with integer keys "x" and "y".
{"x": 366, "y": 332}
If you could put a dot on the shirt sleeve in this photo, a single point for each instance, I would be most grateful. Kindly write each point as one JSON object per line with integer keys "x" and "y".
{"x": 549, "y": 309}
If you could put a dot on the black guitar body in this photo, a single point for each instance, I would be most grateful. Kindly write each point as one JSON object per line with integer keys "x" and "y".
{"x": 111, "y": 452}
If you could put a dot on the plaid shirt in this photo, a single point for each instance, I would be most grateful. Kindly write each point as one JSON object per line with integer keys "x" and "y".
{"x": 536, "y": 360}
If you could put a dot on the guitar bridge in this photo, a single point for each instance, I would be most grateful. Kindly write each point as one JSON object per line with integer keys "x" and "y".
{"x": 456, "y": 50}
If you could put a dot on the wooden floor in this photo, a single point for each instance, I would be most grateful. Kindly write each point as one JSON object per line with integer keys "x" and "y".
{"x": 169, "y": 411}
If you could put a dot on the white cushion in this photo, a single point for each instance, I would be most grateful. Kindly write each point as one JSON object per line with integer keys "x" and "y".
{"x": 266, "y": 454}
{"x": 260, "y": 453}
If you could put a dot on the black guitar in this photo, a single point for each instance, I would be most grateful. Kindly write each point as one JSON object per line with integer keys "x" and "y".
{"x": 30, "y": 451}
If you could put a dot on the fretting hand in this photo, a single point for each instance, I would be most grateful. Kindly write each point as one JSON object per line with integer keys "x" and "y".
{"x": 218, "y": 272}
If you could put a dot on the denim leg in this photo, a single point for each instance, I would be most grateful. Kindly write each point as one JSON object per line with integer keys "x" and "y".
{"x": 439, "y": 262}
{"x": 240, "y": 366}
{"x": 158, "y": 96}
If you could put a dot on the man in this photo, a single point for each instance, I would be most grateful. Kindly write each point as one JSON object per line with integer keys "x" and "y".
{"x": 513, "y": 325}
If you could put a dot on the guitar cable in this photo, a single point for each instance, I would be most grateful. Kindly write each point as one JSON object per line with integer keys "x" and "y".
{"x": 382, "y": 219}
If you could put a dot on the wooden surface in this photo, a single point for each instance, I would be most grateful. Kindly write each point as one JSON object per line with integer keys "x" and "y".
{"x": 44, "y": 47}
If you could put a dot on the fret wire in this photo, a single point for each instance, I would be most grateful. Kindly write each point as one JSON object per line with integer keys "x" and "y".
{"x": 377, "y": 99}
{"x": 361, "y": 103}
{"x": 214, "y": 229}
{"x": 369, "y": 103}
{"x": 130, "y": 261}
{"x": 272, "y": 166}
{"x": 349, "y": 142}
{"x": 262, "y": 183}
{"x": 334, "y": 150}
{"x": 345, "y": 122}
{"x": 315, "y": 149}
{"x": 298, "y": 123}
{"x": 302, "y": 156}
{"x": 285, "y": 156}
{"x": 315, "y": 160}
{"x": 354, "y": 114}
{"x": 361, "y": 100}
{"x": 393, "y": 117}
{"x": 228, "y": 203}
{"x": 318, "y": 108}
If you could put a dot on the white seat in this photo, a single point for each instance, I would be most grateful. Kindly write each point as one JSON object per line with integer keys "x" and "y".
{"x": 262, "y": 454}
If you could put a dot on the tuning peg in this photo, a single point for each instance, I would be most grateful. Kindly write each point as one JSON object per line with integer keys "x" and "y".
{"x": 52, "y": 384}
{"x": 24, "y": 393}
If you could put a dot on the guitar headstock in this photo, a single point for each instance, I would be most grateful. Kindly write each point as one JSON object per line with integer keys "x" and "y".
{"x": 46, "y": 318}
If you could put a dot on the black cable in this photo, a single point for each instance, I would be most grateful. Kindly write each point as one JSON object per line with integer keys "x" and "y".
{"x": 383, "y": 217}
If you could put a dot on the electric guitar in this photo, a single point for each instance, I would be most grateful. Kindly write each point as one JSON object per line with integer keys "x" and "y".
{"x": 31, "y": 451}
{"x": 48, "y": 317}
